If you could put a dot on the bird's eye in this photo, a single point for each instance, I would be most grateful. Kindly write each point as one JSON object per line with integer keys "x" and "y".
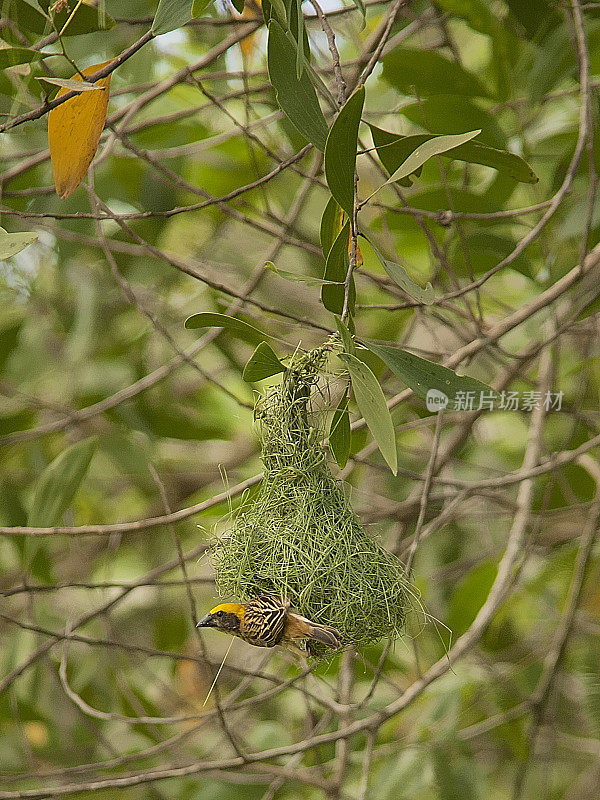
{"x": 219, "y": 613}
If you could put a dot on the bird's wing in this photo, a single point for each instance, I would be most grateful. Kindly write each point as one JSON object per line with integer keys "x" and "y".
{"x": 264, "y": 619}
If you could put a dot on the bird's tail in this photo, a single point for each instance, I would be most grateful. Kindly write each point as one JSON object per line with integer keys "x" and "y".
{"x": 326, "y": 635}
{"x": 302, "y": 628}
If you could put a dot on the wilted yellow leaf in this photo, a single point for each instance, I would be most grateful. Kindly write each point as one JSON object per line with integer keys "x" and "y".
{"x": 74, "y": 130}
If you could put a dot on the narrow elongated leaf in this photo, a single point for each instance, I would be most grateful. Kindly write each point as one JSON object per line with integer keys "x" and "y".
{"x": 336, "y": 270}
{"x": 331, "y": 223}
{"x": 427, "y": 72}
{"x": 345, "y": 336}
{"x": 394, "y": 149}
{"x": 340, "y": 151}
{"x": 399, "y": 275}
{"x": 340, "y": 435}
{"x": 432, "y": 147}
{"x": 13, "y": 243}
{"x": 371, "y": 402}
{"x": 275, "y": 8}
{"x": 299, "y": 39}
{"x": 209, "y": 319}
{"x": 422, "y": 375}
{"x": 74, "y": 130}
{"x": 11, "y": 56}
{"x": 262, "y": 364}
{"x": 58, "y": 484}
{"x": 293, "y": 276}
{"x": 297, "y": 98}
{"x": 74, "y": 85}
{"x": 297, "y": 29}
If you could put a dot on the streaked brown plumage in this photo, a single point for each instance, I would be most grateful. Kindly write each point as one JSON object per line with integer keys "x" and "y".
{"x": 267, "y": 621}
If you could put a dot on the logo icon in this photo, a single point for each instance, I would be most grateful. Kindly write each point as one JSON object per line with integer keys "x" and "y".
{"x": 435, "y": 400}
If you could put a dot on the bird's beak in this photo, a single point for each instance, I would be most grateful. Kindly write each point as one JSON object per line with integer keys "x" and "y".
{"x": 206, "y": 622}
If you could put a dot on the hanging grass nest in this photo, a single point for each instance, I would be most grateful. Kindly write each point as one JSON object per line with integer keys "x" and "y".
{"x": 299, "y": 537}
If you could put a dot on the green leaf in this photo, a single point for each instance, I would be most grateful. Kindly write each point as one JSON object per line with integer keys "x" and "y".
{"x": 299, "y": 39}
{"x": 56, "y": 486}
{"x": 9, "y": 336}
{"x": 399, "y": 275}
{"x": 170, "y": 15}
{"x": 535, "y": 16}
{"x": 13, "y": 243}
{"x": 73, "y": 85}
{"x": 422, "y": 375}
{"x": 210, "y": 319}
{"x": 345, "y": 336}
{"x": 293, "y": 276}
{"x": 393, "y": 150}
{"x": 11, "y": 56}
{"x": 297, "y": 29}
{"x": 198, "y": 7}
{"x": 340, "y": 151}
{"x": 371, "y": 402}
{"x": 553, "y": 63}
{"x": 475, "y": 12}
{"x": 297, "y": 98}
{"x": 331, "y": 223}
{"x": 340, "y": 435}
{"x": 278, "y": 7}
{"x": 336, "y": 270}
{"x": 478, "y": 252}
{"x": 27, "y": 18}
{"x": 262, "y": 364}
{"x": 469, "y": 595}
{"x": 17, "y": 421}
{"x": 432, "y": 147}
{"x": 11, "y": 511}
{"x": 86, "y": 19}
{"x": 454, "y": 113}
{"x": 426, "y": 72}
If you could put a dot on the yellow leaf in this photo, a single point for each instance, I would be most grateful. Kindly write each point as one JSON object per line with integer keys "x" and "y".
{"x": 74, "y": 130}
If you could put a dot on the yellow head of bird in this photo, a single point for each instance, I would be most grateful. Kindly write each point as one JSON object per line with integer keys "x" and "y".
{"x": 226, "y": 616}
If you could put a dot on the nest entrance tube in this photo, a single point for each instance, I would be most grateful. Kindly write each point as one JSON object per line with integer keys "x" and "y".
{"x": 300, "y": 538}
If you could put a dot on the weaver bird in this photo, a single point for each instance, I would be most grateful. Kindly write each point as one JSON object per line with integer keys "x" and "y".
{"x": 267, "y": 621}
